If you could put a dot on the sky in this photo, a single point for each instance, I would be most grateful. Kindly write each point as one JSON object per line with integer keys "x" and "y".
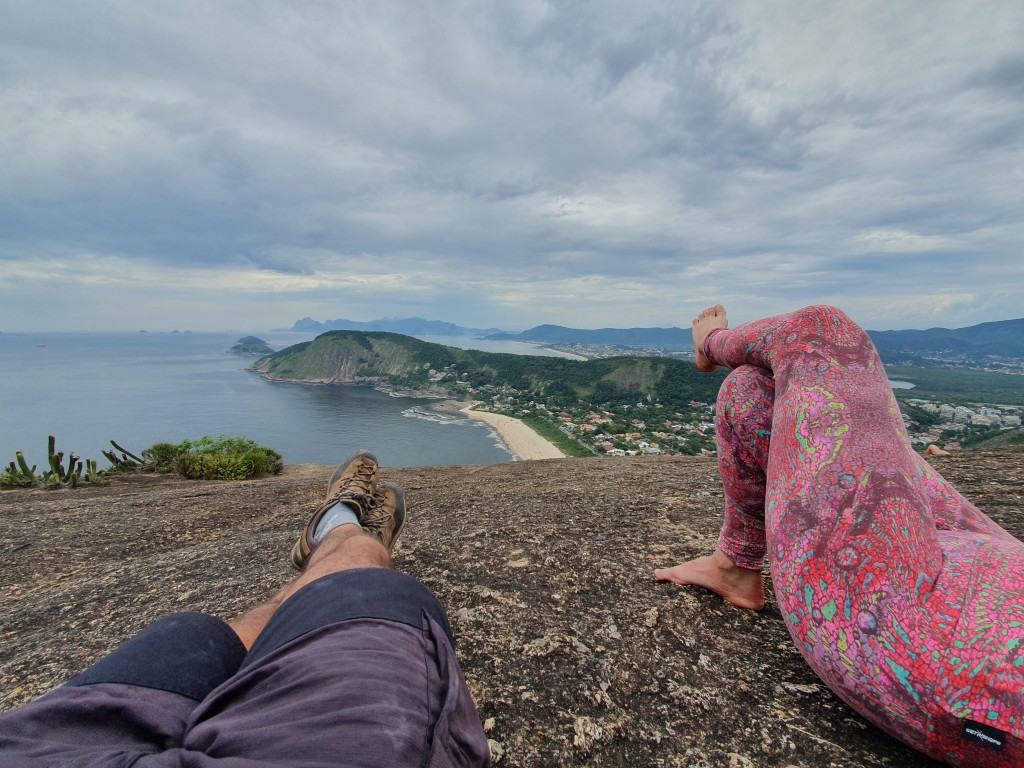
{"x": 240, "y": 165}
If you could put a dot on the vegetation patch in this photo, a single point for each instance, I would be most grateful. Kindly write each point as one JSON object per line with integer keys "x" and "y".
{"x": 18, "y": 474}
{"x": 209, "y": 458}
{"x": 959, "y": 385}
{"x": 215, "y": 458}
{"x": 554, "y": 435}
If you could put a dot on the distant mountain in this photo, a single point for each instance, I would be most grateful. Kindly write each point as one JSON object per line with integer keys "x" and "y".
{"x": 1002, "y": 339}
{"x": 665, "y": 338}
{"x": 409, "y": 326}
{"x": 357, "y": 357}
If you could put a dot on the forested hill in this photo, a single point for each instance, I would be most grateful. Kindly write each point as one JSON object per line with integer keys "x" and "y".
{"x": 340, "y": 357}
{"x": 1000, "y": 339}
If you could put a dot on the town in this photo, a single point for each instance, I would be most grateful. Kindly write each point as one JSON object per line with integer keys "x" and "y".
{"x": 655, "y": 428}
{"x": 954, "y": 426}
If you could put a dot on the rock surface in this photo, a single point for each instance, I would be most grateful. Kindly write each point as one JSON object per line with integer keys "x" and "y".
{"x": 574, "y": 654}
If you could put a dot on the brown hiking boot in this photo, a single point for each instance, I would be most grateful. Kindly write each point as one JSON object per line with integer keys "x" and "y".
{"x": 354, "y": 483}
{"x": 386, "y": 520}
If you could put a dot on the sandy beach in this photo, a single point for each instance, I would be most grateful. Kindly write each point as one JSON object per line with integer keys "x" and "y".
{"x": 521, "y": 440}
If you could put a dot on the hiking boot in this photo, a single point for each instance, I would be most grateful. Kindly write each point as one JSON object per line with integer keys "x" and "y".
{"x": 355, "y": 483}
{"x": 386, "y": 520}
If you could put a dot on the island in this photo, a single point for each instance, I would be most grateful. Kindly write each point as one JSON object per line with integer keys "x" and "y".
{"x": 250, "y": 345}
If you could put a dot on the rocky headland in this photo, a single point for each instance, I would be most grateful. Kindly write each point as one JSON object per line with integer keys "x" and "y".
{"x": 574, "y": 654}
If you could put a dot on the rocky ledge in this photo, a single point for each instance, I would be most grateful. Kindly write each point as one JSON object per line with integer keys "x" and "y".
{"x": 575, "y": 655}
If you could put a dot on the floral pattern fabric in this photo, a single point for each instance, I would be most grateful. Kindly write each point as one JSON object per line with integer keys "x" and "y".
{"x": 902, "y": 596}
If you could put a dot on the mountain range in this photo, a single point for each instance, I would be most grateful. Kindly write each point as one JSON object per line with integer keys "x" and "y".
{"x": 1003, "y": 339}
{"x": 410, "y": 326}
{"x": 1000, "y": 340}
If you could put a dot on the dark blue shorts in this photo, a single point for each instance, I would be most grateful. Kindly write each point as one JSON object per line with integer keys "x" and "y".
{"x": 356, "y": 669}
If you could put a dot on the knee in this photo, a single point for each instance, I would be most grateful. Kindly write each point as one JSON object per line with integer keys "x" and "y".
{"x": 822, "y": 315}
{"x": 824, "y": 324}
{"x": 747, "y": 389}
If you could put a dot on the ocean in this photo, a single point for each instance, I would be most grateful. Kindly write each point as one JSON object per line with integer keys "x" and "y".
{"x": 144, "y": 388}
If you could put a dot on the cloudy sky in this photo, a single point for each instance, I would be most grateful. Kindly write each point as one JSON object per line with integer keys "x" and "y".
{"x": 239, "y": 165}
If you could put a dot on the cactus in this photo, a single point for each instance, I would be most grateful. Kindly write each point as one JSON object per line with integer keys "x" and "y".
{"x": 127, "y": 456}
{"x": 23, "y": 465}
{"x": 56, "y": 467}
{"x": 18, "y": 474}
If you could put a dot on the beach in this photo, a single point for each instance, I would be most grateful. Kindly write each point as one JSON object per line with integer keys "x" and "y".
{"x": 520, "y": 439}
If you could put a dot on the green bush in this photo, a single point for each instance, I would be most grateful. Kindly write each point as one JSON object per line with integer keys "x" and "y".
{"x": 216, "y": 458}
{"x": 161, "y": 456}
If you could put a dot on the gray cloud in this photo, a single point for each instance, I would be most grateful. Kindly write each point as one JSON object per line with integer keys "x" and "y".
{"x": 541, "y": 162}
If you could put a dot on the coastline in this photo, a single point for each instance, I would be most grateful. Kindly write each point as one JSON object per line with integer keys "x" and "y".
{"x": 521, "y": 440}
{"x": 525, "y": 443}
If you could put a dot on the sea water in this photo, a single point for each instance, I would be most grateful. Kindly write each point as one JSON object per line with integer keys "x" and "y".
{"x": 144, "y": 388}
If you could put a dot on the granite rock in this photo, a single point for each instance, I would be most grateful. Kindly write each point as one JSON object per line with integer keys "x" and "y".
{"x": 575, "y": 655}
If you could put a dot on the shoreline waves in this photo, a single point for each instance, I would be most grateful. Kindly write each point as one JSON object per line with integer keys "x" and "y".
{"x": 519, "y": 439}
{"x": 523, "y": 441}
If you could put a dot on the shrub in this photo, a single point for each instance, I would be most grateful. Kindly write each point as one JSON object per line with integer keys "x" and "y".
{"x": 161, "y": 457}
{"x": 216, "y": 458}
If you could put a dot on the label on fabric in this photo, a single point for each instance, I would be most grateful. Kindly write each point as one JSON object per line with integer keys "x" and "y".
{"x": 983, "y": 734}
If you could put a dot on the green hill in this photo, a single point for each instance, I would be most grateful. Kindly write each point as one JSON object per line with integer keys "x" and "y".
{"x": 360, "y": 357}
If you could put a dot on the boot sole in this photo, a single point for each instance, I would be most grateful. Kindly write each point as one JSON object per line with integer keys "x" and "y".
{"x": 399, "y": 512}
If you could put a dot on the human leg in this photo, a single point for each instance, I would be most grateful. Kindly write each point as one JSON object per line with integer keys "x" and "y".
{"x": 342, "y": 549}
{"x": 351, "y": 662}
{"x": 377, "y": 514}
{"x": 132, "y": 704}
{"x": 356, "y": 668}
{"x": 839, "y": 450}
{"x": 296, "y": 681}
{"x": 874, "y": 587}
{"x": 743, "y": 419}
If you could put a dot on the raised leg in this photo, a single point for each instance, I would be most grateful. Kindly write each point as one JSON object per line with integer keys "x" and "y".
{"x": 841, "y": 467}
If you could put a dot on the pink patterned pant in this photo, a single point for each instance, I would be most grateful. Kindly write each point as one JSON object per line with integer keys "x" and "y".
{"x": 905, "y": 599}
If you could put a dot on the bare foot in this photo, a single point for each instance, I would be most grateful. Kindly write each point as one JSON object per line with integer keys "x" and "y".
{"x": 717, "y": 572}
{"x": 934, "y": 450}
{"x": 707, "y": 321}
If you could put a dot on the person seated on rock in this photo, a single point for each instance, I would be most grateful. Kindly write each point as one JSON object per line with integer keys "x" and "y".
{"x": 350, "y": 664}
{"x": 903, "y": 597}
{"x": 934, "y": 450}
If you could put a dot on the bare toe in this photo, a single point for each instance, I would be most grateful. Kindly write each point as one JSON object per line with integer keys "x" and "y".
{"x": 710, "y": 319}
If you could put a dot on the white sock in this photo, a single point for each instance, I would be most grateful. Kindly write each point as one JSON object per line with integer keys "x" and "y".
{"x": 340, "y": 514}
